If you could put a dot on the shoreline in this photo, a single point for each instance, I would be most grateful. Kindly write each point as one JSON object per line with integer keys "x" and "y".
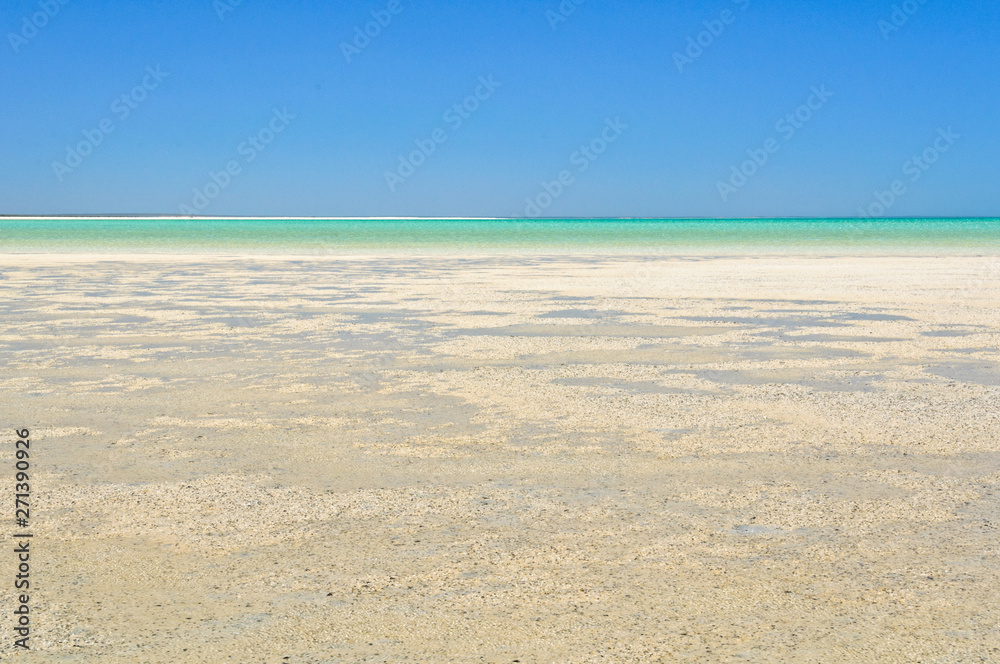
{"x": 403, "y": 254}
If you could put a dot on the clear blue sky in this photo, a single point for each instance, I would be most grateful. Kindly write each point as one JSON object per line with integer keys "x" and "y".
{"x": 680, "y": 125}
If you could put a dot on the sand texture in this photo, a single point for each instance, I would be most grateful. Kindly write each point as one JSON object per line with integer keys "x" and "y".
{"x": 506, "y": 458}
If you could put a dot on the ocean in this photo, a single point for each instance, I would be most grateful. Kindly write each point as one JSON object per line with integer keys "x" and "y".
{"x": 319, "y": 236}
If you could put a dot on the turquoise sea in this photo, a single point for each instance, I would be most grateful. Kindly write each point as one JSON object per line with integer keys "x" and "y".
{"x": 718, "y": 236}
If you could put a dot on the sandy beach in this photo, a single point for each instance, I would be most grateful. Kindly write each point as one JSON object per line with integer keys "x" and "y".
{"x": 507, "y": 458}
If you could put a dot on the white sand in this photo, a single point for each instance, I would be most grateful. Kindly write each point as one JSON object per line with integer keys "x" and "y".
{"x": 497, "y": 459}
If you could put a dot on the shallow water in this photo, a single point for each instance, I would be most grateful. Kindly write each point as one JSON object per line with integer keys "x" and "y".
{"x": 649, "y": 235}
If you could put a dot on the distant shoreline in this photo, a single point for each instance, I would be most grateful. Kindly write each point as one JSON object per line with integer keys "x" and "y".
{"x": 147, "y": 217}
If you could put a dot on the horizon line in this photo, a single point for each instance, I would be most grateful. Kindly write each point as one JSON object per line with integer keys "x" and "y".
{"x": 377, "y": 218}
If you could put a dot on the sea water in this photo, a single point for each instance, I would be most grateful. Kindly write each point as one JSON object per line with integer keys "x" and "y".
{"x": 318, "y": 236}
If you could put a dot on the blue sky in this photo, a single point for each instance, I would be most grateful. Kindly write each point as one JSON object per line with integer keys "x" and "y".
{"x": 583, "y": 109}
